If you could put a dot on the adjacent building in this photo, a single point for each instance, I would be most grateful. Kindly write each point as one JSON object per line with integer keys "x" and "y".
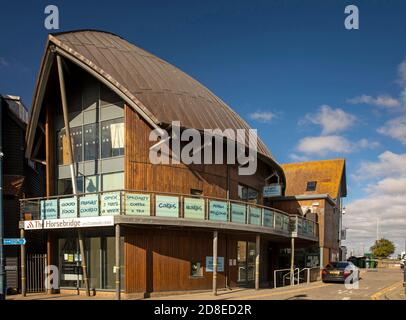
{"x": 315, "y": 190}
{"x": 21, "y": 178}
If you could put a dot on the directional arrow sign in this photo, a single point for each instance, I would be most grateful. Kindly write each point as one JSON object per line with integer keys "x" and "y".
{"x": 14, "y": 242}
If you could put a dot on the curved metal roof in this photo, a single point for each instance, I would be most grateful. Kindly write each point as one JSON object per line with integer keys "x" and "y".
{"x": 162, "y": 92}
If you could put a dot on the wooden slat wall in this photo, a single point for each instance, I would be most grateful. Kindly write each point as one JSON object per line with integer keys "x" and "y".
{"x": 142, "y": 175}
{"x": 161, "y": 260}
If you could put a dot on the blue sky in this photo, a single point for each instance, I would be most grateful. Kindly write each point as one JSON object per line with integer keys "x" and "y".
{"x": 275, "y": 60}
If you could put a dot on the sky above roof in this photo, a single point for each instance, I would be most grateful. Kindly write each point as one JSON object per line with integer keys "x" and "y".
{"x": 312, "y": 88}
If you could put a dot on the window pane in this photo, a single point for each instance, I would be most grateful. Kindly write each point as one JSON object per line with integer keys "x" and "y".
{"x": 113, "y": 181}
{"x": 65, "y": 186}
{"x": 91, "y": 141}
{"x": 112, "y": 139}
{"x": 76, "y": 134}
{"x": 92, "y": 184}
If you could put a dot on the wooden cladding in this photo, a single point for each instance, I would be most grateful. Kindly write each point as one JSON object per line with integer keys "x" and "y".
{"x": 178, "y": 178}
{"x": 160, "y": 259}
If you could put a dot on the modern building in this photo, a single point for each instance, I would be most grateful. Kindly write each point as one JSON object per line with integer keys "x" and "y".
{"x": 116, "y": 221}
{"x": 20, "y": 178}
{"x": 315, "y": 190}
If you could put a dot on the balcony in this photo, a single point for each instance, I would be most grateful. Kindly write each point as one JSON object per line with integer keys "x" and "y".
{"x": 155, "y": 208}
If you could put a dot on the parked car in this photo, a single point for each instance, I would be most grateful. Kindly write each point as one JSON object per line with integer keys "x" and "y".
{"x": 339, "y": 271}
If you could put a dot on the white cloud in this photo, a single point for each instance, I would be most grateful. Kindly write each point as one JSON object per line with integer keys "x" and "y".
{"x": 389, "y": 164}
{"x": 3, "y": 62}
{"x": 380, "y": 101}
{"x": 262, "y": 116}
{"x": 384, "y": 200}
{"x": 298, "y": 158}
{"x": 388, "y": 186}
{"x": 402, "y": 72}
{"x": 395, "y": 128}
{"x": 331, "y": 120}
{"x": 324, "y": 145}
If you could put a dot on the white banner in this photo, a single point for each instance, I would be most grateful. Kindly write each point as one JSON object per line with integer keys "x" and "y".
{"x": 69, "y": 223}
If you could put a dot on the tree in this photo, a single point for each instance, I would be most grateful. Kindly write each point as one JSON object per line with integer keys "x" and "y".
{"x": 383, "y": 248}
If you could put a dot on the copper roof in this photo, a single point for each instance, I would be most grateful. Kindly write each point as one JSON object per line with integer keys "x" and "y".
{"x": 162, "y": 92}
{"x": 329, "y": 176}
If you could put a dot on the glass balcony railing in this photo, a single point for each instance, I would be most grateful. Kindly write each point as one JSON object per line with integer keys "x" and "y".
{"x": 165, "y": 205}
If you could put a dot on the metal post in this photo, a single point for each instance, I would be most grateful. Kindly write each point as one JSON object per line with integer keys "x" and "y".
{"x": 321, "y": 259}
{"x": 215, "y": 241}
{"x": 84, "y": 267}
{"x": 23, "y": 263}
{"x": 258, "y": 249}
{"x": 292, "y": 262}
{"x": 117, "y": 266}
{"x": 72, "y": 162}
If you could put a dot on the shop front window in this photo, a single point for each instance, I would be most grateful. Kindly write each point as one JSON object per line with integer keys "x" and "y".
{"x": 100, "y": 259}
{"x": 246, "y": 254}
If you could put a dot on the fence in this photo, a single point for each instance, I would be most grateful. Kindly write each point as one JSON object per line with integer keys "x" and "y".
{"x": 36, "y": 264}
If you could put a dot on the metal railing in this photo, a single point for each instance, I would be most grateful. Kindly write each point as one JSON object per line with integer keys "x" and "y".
{"x": 309, "y": 275}
{"x": 166, "y": 205}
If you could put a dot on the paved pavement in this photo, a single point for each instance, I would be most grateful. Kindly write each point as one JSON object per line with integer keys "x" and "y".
{"x": 376, "y": 285}
{"x": 384, "y": 284}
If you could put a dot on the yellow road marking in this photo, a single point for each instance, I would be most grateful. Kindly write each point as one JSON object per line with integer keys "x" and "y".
{"x": 380, "y": 293}
{"x": 281, "y": 292}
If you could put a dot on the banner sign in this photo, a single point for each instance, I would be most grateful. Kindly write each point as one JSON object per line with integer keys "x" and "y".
{"x": 68, "y": 208}
{"x": 209, "y": 264}
{"x": 255, "y": 215}
{"x": 110, "y": 204}
{"x": 89, "y": 206}
{"x": 218, "y": 211}
{"x": 69, "y": 223}
{"x": 273, "y": 190}
{"x": 137, "y": 204}
{"x": 49, "y": 209}
{"x": 194, "y": 208}
{"x": 268, "y": 218}
{"x": 167, "y": 206}
{"x": 238, "y": 213}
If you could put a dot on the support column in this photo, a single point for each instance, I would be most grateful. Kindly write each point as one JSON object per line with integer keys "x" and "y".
{"x": 117, "y": 264}
{"x": 72, "y": 162}
{"x": 292, "y": 262}
{"x": 215, "y": 242}
{"x": 84, "y": 266}
{"x": 23, "y": 262}
{"x": 257, "y": 259}
{"x": 321, "y": 258}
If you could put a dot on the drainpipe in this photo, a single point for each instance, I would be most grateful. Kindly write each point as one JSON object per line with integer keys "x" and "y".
{"x": 2, "y": 271}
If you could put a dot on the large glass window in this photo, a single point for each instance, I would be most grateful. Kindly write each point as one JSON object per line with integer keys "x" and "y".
{"x": 112, "y": 138}
{"x": 86, "y": 141}
{"x": 91, "y": 141}
{"x": 65, "y": 186}
{"x": 246, "y": 193}
{"x": 113, "y": 181}
{"x": 92, "y": 184}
